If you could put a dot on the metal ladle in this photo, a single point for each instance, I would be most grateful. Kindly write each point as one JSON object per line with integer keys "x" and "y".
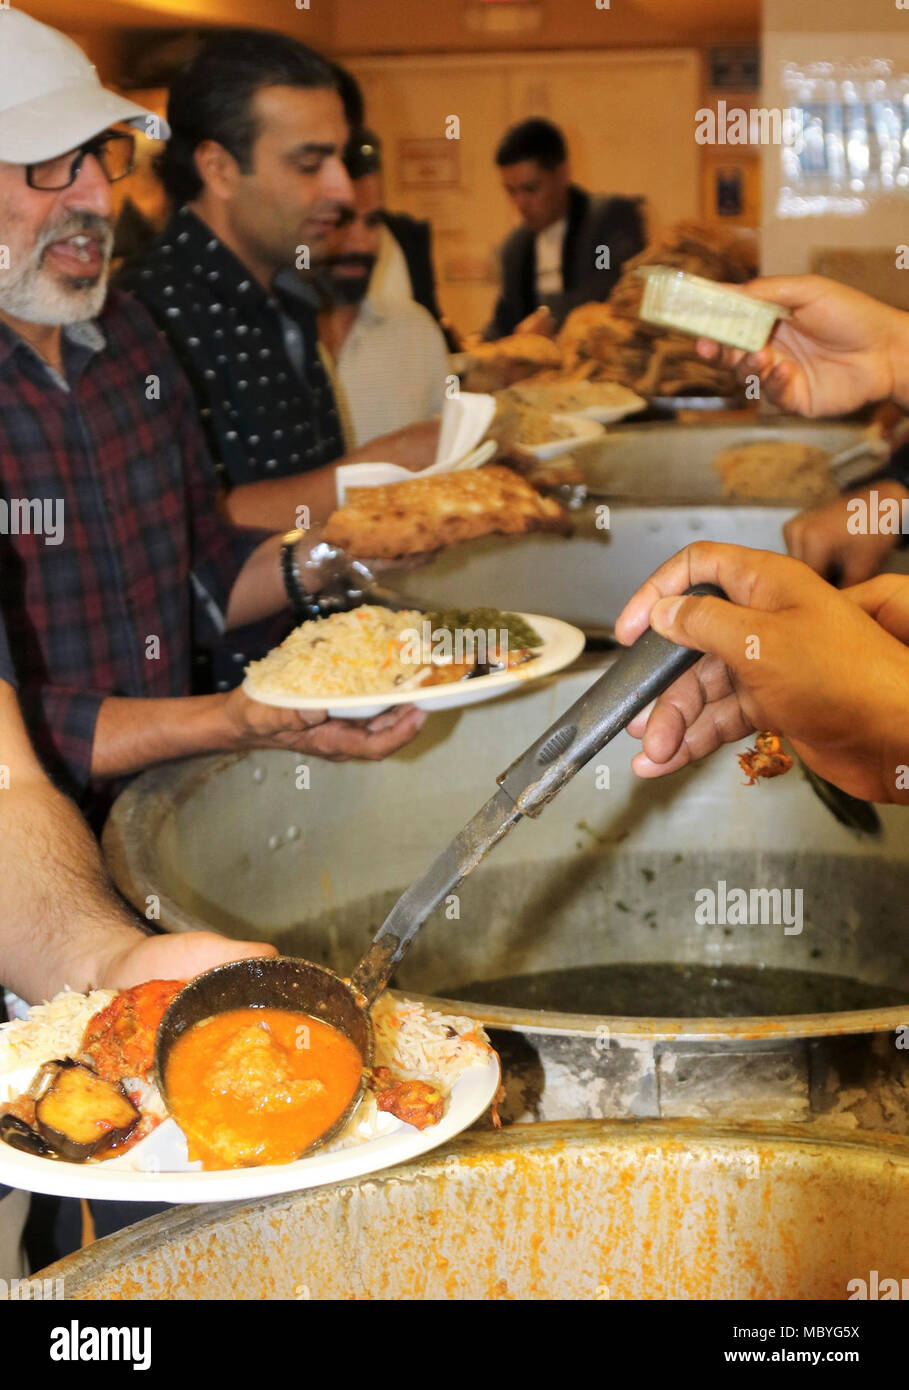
{"x": 639, "y": 675}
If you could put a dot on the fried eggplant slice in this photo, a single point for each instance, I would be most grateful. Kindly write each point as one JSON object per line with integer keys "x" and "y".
{"x": 77, "y": 1112}
{"x": 20, "y": 1135}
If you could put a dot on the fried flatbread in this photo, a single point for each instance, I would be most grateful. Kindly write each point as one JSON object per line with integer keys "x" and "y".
{"x": 400, "y": 519}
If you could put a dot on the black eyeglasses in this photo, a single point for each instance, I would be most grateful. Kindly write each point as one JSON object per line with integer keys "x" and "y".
{"x": 114, "y": 150}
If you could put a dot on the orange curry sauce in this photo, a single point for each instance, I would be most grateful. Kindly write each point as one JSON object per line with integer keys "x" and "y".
{"x": 252, "y": 1086}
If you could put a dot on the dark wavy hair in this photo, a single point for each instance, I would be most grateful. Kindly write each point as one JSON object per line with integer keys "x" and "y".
{"x": 535, "y": 139}
{"x": 211, "y": 98}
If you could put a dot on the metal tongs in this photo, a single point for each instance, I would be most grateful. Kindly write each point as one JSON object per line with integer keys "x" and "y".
{"x": 641, "y": 673}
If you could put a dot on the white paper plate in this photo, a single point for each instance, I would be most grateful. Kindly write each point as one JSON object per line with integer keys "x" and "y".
{"x": 465, "y": 419}
{"x": 158, "y": 1169}
{"x": 562, "y": 644}
{"x": 585, "y": 428}
{"x": 611, "y": 414}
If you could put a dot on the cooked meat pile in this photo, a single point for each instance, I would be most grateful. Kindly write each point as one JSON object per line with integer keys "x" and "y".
{"x": 608, "y": 342}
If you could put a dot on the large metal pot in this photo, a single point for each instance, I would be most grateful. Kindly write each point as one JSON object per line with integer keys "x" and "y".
{"x": 581, "y": 1211}
{"x": 605, "y": 875}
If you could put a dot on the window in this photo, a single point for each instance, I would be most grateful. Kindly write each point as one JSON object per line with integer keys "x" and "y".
{"x": 849, "y": 143}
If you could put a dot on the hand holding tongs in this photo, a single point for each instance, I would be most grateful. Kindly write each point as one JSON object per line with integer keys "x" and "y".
{"x": 640, "y": 673}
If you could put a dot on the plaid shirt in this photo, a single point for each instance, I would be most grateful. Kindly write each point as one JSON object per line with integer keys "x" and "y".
{"x": 264, "y": 397}
{"x": 115, "y": 452}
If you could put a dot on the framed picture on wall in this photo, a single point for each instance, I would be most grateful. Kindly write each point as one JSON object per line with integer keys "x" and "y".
{"x": 731, "y": 187}
{"x": 432, "y": 163}
{"x": 729, "y": 191}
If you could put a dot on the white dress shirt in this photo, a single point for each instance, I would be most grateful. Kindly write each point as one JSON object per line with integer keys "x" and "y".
{"x": 549, "y": 245}
{"x": 390, "y": 279}
{"x": 391, "y": 369}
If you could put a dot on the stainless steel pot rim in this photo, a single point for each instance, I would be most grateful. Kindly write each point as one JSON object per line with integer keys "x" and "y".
{"x": 760, "y": 1029}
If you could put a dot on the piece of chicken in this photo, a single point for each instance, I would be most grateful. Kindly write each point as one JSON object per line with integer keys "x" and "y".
{"x": 415, "y": 1102}
{"x": 765, "y": 759}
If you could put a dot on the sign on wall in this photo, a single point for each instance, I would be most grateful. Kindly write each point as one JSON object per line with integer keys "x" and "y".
{"x": 432, "y": 163}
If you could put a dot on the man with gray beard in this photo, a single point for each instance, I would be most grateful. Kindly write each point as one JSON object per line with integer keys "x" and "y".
{"x": 75, "y": 250}
{"x": 98, "y": 422}
{"x": 97, "y": 419}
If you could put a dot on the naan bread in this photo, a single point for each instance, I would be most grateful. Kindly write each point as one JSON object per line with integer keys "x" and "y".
{"x": 566, "y": 397}
{"x": 779, "y": 470}
{"x": 399, "y": 519}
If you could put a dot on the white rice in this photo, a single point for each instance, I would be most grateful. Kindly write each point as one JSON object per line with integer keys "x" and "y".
{"x": 51, "y": 1030}
{"x": 419, "y": 1044}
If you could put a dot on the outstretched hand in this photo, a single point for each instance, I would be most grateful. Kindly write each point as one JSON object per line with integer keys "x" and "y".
{"x": 175, "y": 956}
{"x": 837, "y": 351}
{"x": 786, "y": 653}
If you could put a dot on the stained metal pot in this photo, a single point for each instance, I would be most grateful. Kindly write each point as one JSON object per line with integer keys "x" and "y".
{"x": 587, "y": 1210}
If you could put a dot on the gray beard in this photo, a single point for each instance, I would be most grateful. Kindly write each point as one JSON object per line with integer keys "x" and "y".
{"x": 38, "y": 298}
{"x": 34, "y": 295}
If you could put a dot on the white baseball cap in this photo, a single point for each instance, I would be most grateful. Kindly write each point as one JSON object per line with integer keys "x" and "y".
{"x": 51, "y": 98}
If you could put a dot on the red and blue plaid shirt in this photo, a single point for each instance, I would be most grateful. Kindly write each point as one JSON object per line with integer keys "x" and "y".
{"x": 116, "y": 452}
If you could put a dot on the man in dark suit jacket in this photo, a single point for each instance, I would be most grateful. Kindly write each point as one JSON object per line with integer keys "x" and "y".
{"x": 415, "y": 239}
{"x": 572, "y": 245}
